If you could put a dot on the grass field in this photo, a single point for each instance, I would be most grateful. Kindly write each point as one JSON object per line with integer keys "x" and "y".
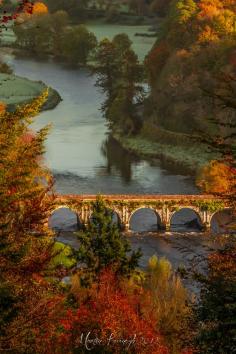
{"x": 16, "y": 90}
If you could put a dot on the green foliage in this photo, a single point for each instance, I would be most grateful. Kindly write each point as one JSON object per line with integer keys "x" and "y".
{"x": 102, "y": 245}
{"x": 50, "y": 34}
{"x": 212, "y": 206}
{"x": 77, "y": 43}
{"x": 119, "y": 76}
{"x": 62, "y": 255}
{"x": 217, "y": 309}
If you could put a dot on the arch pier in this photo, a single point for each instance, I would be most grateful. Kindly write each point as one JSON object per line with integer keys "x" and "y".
{"x": 164, "y": 206}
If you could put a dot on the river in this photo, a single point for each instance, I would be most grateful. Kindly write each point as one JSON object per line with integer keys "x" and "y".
{"x": 85, "y": 159}
{"x": 79, "y": 151}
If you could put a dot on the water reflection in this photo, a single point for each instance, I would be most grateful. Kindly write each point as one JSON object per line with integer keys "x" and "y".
{"x": 117, "y": 158}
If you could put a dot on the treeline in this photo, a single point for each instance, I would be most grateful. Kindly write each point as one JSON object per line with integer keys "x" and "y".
{"x": 51, "y": 34}
{"x": 110, "y": 7}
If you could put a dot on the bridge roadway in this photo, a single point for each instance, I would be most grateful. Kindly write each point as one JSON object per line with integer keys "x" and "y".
{"x": 164, "y": 206}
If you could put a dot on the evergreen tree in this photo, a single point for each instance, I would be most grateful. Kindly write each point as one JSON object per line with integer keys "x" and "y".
{"x": 102, "y": 245}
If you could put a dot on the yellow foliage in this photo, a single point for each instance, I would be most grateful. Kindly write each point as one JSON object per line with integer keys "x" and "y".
{"x": 216, "y": 177}
{"x": 208, "y": 35}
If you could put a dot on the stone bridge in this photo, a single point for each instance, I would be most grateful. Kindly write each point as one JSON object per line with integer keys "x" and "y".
{"x": 164, "y": 206}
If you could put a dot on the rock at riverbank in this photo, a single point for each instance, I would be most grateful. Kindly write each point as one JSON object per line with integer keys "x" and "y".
{"x": 15, "y": 90}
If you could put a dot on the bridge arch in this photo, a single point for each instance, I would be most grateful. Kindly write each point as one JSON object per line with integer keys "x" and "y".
{"x": 221, "y": 221}
{"x": 186, "y": 218}
{"x": 64, "y": 218}
{"x": 149, "y": 221}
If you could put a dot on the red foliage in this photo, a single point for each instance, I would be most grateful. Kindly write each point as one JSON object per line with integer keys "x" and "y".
{"x": 22, "y": 6}
{"x": 109, "y": 318}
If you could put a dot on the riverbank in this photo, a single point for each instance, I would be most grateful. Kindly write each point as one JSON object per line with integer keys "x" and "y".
{"x": 15, "y": 90}
{"x": 190, "y": 157}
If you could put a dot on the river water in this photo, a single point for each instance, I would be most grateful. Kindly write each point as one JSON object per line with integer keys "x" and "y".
{"x": 85, "y": 159}
{"x": 79, "y": 151}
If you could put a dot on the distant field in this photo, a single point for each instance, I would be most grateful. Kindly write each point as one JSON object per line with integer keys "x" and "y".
{"x": 141, "y": 45}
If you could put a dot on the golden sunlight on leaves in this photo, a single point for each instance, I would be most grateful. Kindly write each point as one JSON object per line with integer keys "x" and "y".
{"x": 40, "y": 8}
{"x": 2, "y": 108}
{"x": 216, "y": 177}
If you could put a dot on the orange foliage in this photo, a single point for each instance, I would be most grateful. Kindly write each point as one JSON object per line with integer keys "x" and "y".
{"x": 40, "y": 8}
{"x": 207, "y": 35}
{"x": 2, "y": 108}
{"x": 209, "y": 8}
{"x": 111, "y": 315}
{"x": 216, "y": 177}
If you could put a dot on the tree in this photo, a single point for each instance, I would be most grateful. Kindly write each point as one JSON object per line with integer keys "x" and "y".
{"x": 102, "y": 245}
{"x": 120, "y": 75}
{"x": 216, "y": 178}
{"x": 108, "y": 70}
{"x": 122, "y": 43}
{"x": 160, "y": 7}
{"x": 129, "y": 93}
{"x": 224, "y": 142}
{"x": 77, "y": 44}
{"x": 35, "y": 34}
{"x": 15, "y": 10}
{"x": 169, "y": 303}
{"x": 39, "y": 8}
{"x": 180, "y": 24}
{"x": 27, "y": 299}
{"x": 59, "y": 21}
{"x": 110, "y": 318}
{"x": 217, "y": 309}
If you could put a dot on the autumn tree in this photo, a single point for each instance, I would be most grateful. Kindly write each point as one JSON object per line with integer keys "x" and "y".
{"x": 216, "y": 177}
{"x": 169, "y": 303}
{"x": 26, "y": 297}
{"x": 111, "y": 313}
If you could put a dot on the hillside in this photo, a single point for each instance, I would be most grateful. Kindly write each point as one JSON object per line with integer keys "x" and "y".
{"x": 195, "y": 52}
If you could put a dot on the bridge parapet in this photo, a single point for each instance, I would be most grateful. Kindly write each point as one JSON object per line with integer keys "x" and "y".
{"x": 165, "y": 206}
